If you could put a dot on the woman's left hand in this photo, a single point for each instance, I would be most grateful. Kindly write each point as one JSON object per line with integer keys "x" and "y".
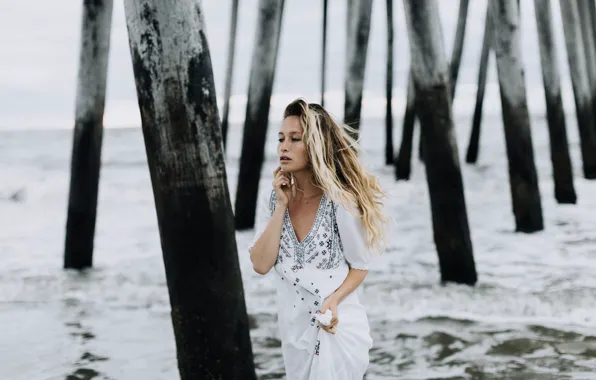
{"x": 330, "y": 304}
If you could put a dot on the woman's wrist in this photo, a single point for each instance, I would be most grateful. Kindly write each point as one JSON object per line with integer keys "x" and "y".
{"x": 281, "y": 204}
{"x": 335, "y": 297}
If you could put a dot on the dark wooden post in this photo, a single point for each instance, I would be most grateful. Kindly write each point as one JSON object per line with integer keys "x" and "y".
{"x": 430, "y": 72}
{"x": 403, "y": 165}
{"x": 589, "y": 44}
{"x": 559, "y": 149}
{"x": 349, "y": 18}
{"x": 359, "y": 27}
{"x": 592, "y": 11}
{"x": 458, "y": 44}
{"x": 389, "y": 87}
{"x": 88, "y": 133}
{"x": 580, "y": 82}
{"x": 324, "y": 52}
{"x": 182, "y": 132}
{"x": 229, "y": 71}
{"x": 523, "y": 178}
{"x": 473, "y": 145}
{"x": 262, "y": 74}
{"x": 403, "y": 161}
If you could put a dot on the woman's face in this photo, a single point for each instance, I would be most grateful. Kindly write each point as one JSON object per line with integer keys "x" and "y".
{"x": 291, "y": 149}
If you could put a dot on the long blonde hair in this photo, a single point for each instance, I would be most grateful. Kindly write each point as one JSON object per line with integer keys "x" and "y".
{"x": 333, "y": 156}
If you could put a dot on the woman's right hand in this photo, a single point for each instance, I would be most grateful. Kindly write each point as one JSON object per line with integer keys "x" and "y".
{"x": 284, "y": 190}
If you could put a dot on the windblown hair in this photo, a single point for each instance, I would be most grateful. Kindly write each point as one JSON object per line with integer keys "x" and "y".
{"x": 332, "y": 153}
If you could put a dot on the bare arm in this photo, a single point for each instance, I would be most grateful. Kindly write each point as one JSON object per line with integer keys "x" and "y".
{"x": 352, "y": 281}
{"x": 265, "y": 250}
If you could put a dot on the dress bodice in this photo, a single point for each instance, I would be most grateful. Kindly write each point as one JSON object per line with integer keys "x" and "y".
{"x": 320, "y": 248}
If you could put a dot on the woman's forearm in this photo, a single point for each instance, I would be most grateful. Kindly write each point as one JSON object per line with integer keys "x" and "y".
{"x": 266, "y": 248}
{"x": 352, "y": 281}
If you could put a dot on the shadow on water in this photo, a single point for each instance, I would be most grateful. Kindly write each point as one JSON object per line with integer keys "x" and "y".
{"x": 83, "y": 374}
{"x": 81, "y": 334}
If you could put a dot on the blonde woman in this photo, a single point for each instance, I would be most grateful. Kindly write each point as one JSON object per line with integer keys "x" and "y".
{"x": 318, "y": 228}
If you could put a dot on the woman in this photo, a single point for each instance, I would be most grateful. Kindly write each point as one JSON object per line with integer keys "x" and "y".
{"x": 318, "y": 228}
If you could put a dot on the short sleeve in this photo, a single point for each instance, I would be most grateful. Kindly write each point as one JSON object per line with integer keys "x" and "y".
{"x": 353, "y": 239}
{"x": 263, "y": 214}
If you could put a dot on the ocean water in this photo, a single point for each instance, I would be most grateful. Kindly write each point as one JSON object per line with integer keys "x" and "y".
{"x": 532, "y": 314}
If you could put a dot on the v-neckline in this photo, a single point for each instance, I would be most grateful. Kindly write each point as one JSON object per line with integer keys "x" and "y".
{"x": 314, "y": 223}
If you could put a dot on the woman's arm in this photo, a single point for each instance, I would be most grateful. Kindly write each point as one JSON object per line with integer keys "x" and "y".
{"x": 357, "y": 255}
{"x": 264, "y": 251}
{"x": 352, "y": 281}
{"x": 266, "y": 248}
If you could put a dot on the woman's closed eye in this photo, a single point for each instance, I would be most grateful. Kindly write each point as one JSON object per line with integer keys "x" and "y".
{"x": 293, "y": 139}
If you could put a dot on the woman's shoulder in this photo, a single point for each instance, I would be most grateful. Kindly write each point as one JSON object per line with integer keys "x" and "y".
{"x": 345, "y": 208}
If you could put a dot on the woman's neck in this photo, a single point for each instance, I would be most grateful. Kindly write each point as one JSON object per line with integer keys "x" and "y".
{"x": 304, "y": 186}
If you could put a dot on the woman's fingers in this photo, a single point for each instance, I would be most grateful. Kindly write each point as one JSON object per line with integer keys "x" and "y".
{"x": 279, "y": 174}
{"x": 334, "y": 314}
{"x": 331, "y": 329}
{"x": 281, "y": 182}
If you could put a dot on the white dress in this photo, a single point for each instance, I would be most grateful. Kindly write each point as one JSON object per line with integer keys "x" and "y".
{"x": 306, "y": 273}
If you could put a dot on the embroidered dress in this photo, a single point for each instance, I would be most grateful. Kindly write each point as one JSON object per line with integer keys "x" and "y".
{"x": 306, "y": 273}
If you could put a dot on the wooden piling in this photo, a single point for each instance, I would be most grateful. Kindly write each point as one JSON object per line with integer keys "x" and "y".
{"x": 589, "y": 45}
{"x": 580, "y": 82}
{"x": 357, "y": 48}
{"x": 403, "y": 161}
{"x": 182, "y": 133}
{"x": 262, "y": 74}
{"x": 474, "y": 142}
{"x": 389, "y": 87}
{"x": 324, "y": 52}
{"x": 523, "y": 179}
{"x": 592, "y": 11}
{"x": 88, "y": 133}
{"x": 409, "y": 114}
{"x": 229, "y": 71}
{"x": 559, "y": 149}
{"x": 430, "y": 72}
{"x": 458, "y": 44}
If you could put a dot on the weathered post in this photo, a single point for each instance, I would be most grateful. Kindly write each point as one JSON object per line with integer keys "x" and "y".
{"x": 403, "y": 172}
{"x": 229, "y": 71}
{"x": 523, "y": 179}
{"x": 473, "y": 145}
{"x": 359, "y": 27}
{"x": 458, "y": 44}
{"x": 182, "y": 132}
{"x": 88, "y": 133}
{"x": 403, "y": 161}
{"x": 262, "y": 74}
{"x": 559, "y": 149}
{"x": 592, "y": 11}
{"x": 430, "y": 72}
{"x": 389, "y": 87}
{"x": 324, "y": 52}
{"x": 349, "y": 18}
{"x": 580, "y": 82}
{"x": 589, "y": 45}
